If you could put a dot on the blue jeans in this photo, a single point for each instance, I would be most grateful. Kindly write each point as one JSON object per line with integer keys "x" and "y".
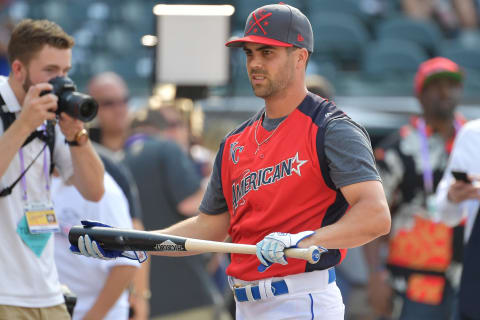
{"x": 412, "y": 310}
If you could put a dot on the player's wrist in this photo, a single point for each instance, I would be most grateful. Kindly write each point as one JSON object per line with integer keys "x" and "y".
{"x": 304, "y": 239}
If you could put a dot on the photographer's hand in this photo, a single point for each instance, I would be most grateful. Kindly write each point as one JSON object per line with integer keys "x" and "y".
{"x": 34, "y": 112}
{"x": 36, "y": 109}
{"x": 69, "y": 126}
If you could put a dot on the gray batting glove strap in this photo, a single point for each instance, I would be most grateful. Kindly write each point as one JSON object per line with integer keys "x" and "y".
{"x": 270, "y": 249}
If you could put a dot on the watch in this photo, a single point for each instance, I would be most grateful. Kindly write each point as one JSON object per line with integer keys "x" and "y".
{"x": 80, "y": 138}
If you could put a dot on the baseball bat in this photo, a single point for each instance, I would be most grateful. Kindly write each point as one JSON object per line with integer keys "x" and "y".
{"x": 135, "y": 240}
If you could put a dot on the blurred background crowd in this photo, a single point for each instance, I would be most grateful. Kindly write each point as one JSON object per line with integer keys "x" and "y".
{"x": 165, "y": 136}
{"x": 364, "y": 47}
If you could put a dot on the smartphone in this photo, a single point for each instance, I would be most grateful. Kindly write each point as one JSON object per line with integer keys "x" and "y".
{"x": 461, "y": 176}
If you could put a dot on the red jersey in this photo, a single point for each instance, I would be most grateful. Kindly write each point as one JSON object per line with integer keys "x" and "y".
{"x": 284, "y": 186}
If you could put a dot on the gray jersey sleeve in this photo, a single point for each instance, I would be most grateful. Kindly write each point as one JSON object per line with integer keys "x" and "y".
{"x": 213, "y": 201}
{"x": 349, "y": 153}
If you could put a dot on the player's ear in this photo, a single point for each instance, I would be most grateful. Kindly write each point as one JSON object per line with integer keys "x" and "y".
{"x": 301, "y": 58}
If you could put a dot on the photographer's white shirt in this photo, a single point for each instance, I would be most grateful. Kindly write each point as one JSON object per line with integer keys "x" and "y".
{"x": 25, "y": 279}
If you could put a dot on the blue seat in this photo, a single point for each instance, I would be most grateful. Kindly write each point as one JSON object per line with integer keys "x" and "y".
{"x": 120, "y": 40}
{"x": 101, "y": 62}
{"x": 424, "y": 33}
{"x": 139, "y": 15}
{"x": 69, "y": 16}
{"x": 467, "y": 57}
{"x": 387, "y": 58}
{"x": 339, "y": 36}
{"x": 326, "y": 68}
{"x": 350, "y": 7}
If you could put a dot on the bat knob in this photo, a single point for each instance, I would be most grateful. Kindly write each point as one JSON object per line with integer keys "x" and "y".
{"x": 315, "y": 253}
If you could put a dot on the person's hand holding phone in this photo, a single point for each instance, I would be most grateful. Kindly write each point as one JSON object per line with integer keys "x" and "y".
{"x": 465, "y": 187}
{"x": 461, "y": 176}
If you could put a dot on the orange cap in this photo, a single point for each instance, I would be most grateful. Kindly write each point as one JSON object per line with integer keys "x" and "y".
{"x": 436, "y": 67}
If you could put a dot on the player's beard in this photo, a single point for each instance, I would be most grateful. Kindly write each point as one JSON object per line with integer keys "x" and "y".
{"x": 272, "y": 86}
{"x": 27, "y": 83}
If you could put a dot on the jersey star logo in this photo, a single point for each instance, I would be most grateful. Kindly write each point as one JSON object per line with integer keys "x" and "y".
{"x": 299, "y": 164}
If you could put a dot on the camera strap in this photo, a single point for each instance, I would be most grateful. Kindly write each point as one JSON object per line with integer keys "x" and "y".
{"x": 48, "y": 137}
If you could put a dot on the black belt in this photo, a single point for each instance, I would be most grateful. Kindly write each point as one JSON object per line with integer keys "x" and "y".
{"x": 407, "y": 272}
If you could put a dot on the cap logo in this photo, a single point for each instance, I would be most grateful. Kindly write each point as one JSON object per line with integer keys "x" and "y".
{"x": 300, "y": 38}
{"x": 254, "y": 22}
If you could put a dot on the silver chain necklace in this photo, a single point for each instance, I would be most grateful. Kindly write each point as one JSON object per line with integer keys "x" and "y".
{"x": 267, "y": 138}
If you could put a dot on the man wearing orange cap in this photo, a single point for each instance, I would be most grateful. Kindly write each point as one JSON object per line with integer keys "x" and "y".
{"x": 421, "y": 260}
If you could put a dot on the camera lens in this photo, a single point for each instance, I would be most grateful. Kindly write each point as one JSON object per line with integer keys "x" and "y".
{"x": 88, "y": 109}
{"x": 80, "y": 106}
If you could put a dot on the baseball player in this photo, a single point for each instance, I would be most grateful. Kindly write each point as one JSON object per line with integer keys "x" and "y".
{"x": 298, "y": 173}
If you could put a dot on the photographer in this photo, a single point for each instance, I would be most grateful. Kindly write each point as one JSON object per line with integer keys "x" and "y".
{"x": 38, "y": 51}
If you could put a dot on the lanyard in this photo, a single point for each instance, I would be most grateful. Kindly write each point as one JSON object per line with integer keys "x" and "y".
{"x": 45, "y": 170}
{"x": 136, "y": 137}
{"x": 427, "y": 168}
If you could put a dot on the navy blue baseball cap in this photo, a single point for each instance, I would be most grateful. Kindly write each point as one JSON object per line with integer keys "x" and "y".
{"x": 277, "y": 25}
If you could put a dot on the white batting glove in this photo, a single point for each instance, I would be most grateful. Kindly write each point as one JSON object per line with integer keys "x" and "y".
{"x": 270, "y": 249}
{"x": 90, "y": 248}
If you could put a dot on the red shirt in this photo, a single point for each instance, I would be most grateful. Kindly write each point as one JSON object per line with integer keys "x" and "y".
{"x": 284, "y": 187}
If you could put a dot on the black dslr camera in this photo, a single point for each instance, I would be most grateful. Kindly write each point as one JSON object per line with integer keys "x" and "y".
{"x": 78, "y": 105}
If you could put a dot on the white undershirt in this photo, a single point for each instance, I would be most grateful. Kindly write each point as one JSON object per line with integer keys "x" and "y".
{"x": 83, "y": 275}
